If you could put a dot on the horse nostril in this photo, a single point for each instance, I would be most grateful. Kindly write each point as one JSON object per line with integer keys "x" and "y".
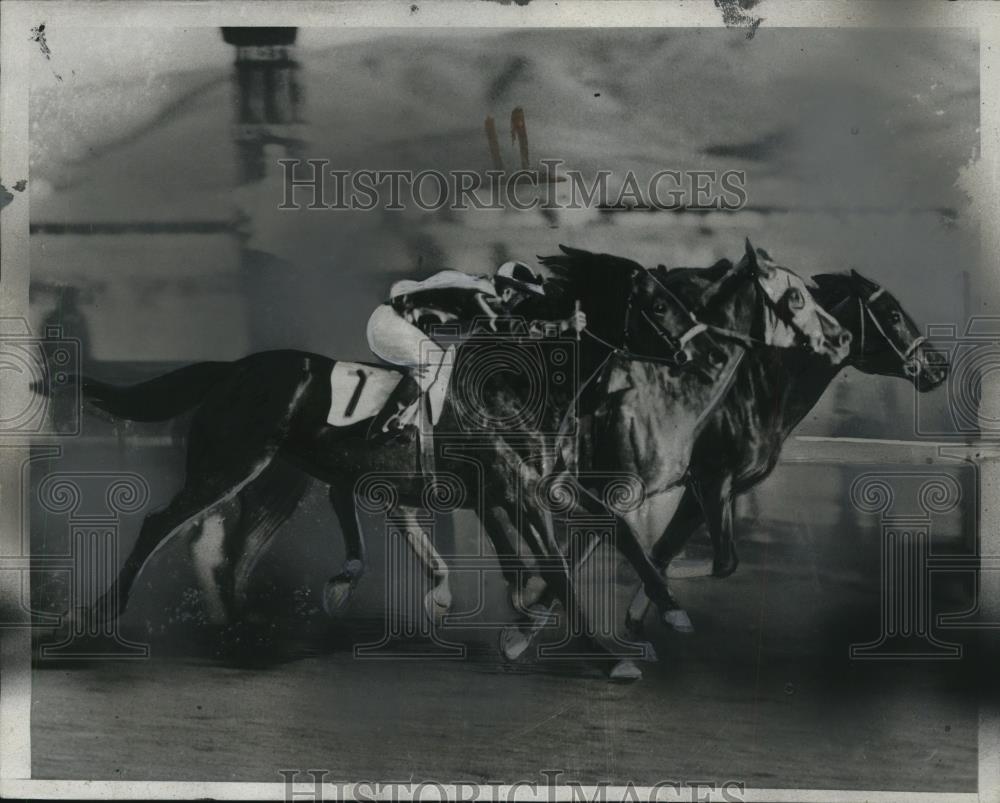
{"x": 844, "y": 339}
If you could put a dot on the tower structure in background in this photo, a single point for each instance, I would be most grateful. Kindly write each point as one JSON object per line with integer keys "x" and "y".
{"x": 267, "y": 97}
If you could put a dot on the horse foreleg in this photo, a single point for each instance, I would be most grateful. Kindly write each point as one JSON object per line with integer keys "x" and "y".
{"x": 628, "y": 543}
{"x": 685, "y": 520}
{"x": 719, "y": 507}
{"x": 338, "y": 588}
{"x": 437, "y": 601}
{"x": 525, "y": 586}
{"x": 535, "y": 591}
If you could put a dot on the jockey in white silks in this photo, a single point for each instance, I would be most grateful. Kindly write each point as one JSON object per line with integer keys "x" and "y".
{"x": 394, "y": 336}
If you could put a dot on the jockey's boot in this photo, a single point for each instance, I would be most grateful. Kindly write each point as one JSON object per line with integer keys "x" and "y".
{"x": 400, "y": 410}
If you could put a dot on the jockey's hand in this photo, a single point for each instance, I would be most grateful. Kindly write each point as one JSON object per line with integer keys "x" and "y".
{"x": 576, "y": 322}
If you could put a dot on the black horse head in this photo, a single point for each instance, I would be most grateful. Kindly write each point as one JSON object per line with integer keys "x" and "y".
{"x": 627, "y": 307}
{"x": 886, "y": 340}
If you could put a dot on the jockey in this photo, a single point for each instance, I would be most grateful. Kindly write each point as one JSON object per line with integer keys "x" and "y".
{"x": 524, "y": 297}
{"x": 394, "y": 332}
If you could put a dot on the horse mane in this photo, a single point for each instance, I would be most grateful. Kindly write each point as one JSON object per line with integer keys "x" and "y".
{"x": 829, "y": 289}
{"x": 707, "y": 275}
{"x": 602, "y": 283}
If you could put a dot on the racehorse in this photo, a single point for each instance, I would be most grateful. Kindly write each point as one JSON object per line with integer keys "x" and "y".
{"x": 774, "y": 308}
{"x": 772, "y": 392}
{"x": 276, "y": 405}
{"x": 642, "y": 422}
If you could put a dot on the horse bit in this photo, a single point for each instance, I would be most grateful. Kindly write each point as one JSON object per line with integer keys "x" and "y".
{"x": 911, "y": 363}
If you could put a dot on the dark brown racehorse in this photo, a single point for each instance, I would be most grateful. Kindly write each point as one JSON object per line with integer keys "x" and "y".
{"x": 272, "y": 406}
{"x": 772, "y": 392}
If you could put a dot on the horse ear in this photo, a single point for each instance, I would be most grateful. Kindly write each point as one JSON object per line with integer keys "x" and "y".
{"x": 861, "y": 284}
{"x": 752, "y": 263}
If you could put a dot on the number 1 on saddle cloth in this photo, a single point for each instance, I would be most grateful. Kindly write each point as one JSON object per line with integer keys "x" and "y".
{"x": 397, "y": 340}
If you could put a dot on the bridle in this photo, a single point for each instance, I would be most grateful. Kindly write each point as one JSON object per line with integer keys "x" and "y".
{"x": 910, "y": 362}
{"x": 678, "y": 343}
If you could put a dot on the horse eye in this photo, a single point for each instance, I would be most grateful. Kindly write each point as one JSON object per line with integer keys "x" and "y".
{"x": 659, "y": 308}
{"x": 896, "y": 317}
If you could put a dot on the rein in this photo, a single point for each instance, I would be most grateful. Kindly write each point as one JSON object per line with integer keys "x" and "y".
{"x": 745, "y": 340}
{"x": 678, "y": 343}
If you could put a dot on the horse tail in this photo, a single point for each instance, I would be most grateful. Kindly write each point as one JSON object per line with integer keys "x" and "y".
{"x": 160, "y": 398}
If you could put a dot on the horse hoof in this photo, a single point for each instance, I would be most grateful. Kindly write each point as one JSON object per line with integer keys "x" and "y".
{"x": 513, "y": 643}
{"x": 722, "y": 570}
{"x": 541, "y": 616}
{"x": 336, "y": 594}
{"x": 625, "y": 671}
{"x": 649, "y": 653}
{"x": 527, "y": 596}
{"x": 683, "y": 568}
{"x": 533, "y": 589}
{"x": 678, "y": 620}
{"x": 437, "y": 602}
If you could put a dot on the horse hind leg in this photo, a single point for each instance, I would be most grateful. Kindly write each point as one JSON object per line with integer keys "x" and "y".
{"x": 264, "y": 505}
{"x": 205, "y": 487}
{"x": 212, "y": 566}
{"x": 338, "y": 589}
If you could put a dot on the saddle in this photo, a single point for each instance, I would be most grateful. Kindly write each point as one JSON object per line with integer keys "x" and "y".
{"x": 388, "y": 398}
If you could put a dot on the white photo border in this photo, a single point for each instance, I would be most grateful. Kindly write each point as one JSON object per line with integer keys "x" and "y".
{"x": 17, "y": 17}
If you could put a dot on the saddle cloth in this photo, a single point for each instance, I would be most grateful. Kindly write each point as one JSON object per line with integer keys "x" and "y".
{"x": 359, "y": 391}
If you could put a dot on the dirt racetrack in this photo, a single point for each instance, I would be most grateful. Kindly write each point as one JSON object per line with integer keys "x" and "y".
{"x": 762, "y": 693}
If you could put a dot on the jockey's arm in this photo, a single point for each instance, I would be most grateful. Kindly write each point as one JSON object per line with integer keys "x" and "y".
{"x": 496, "y": 310}
{"x": 541, "y": 328}
{"x": 576, "y": 323}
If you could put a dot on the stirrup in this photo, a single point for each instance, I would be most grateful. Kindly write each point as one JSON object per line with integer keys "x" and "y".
{"x": 425, "y": 434}
{"x": 390, "y": 424}
{"x": 404, "y": 416}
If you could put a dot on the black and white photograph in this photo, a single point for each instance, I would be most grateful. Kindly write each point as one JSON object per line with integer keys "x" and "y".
{"x": 498, "y": 401}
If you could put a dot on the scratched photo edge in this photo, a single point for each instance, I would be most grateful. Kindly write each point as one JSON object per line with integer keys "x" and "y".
{"x": 16, "y": 47}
